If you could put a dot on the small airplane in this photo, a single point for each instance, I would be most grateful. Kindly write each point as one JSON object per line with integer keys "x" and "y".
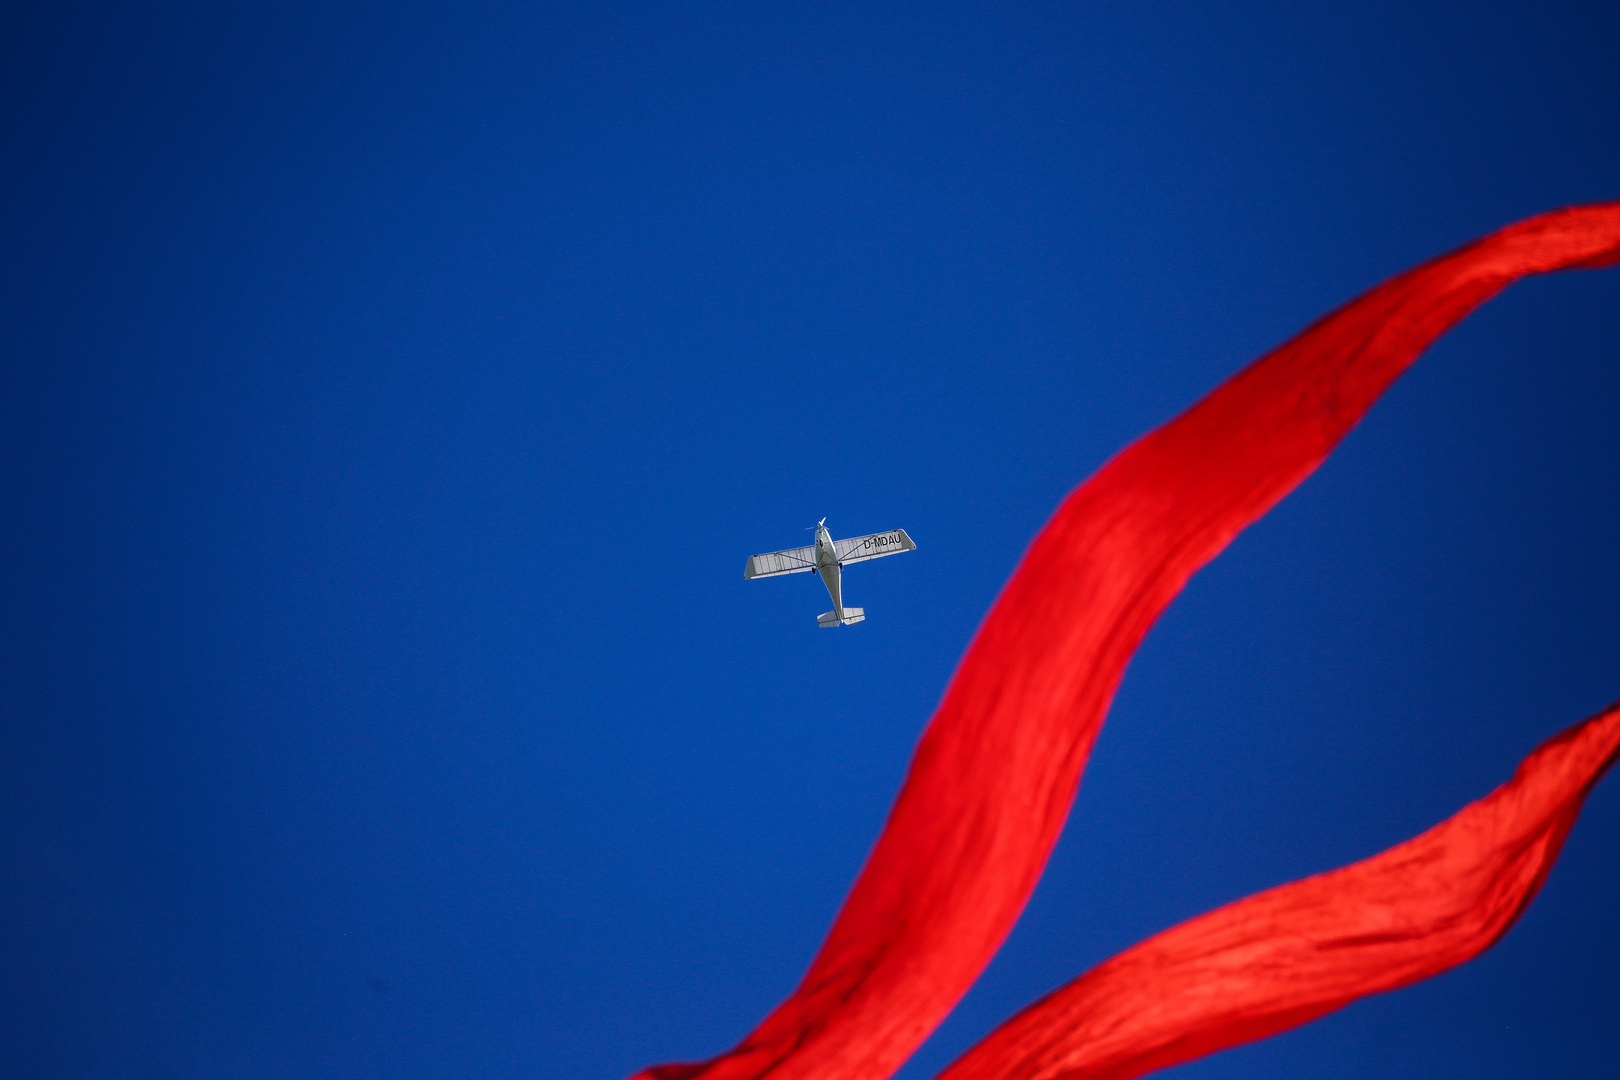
{"x": 827, "y": 557}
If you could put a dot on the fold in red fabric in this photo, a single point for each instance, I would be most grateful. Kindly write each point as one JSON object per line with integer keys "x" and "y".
{"x": 997, "y": 768}
{"x": 1285, "y": 956}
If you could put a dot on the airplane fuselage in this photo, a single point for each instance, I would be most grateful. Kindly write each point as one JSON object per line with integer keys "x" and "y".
{"x": 828, "y": 570}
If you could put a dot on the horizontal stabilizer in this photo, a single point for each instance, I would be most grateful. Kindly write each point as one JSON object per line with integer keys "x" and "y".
{"x": 851, "y": 615}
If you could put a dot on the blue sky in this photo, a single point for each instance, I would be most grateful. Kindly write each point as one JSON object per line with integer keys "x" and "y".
{"x": 392, "y": 393}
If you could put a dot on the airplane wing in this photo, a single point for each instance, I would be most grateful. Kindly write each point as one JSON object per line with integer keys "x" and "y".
{"x": 860, "y": 548}
{"x": 793, "y": 561}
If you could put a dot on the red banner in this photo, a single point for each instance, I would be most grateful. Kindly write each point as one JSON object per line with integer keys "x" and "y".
{"x": 1285, "y": 956}
{"x": 996, "y": 771}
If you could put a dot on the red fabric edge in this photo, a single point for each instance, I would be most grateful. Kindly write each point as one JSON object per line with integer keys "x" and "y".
{"x": 1288, "y": 955}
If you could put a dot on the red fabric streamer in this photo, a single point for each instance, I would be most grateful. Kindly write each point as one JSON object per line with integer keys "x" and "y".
{"x": 995, "y": 772}
{"x": 1285, "y": 956}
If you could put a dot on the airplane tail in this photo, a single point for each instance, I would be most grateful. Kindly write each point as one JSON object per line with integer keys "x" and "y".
{"x": 851, "y": 615}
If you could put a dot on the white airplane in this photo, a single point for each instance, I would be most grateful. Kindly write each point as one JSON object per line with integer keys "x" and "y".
{"x": 826, "y": 558}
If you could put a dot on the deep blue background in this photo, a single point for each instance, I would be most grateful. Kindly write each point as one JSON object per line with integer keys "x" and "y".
{"x": 392, "y": 394}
